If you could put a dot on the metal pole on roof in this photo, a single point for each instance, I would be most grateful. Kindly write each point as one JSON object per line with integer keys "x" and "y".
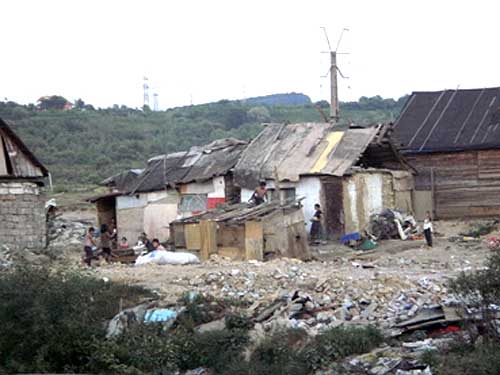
{"x": 334, "y": 96}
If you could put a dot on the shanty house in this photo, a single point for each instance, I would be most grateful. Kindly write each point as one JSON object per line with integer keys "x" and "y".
{"x": 244, "y": 232}
{"x": 118, "y": 185}
{"x": 22, "y": 209}
{"x": 452, "y": 138}
{"x": 351, "y": 173}
{"x": 177, "y": 185}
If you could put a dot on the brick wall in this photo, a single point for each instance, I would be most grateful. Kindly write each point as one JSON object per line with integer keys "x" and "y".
{"x": 22, "y": 216}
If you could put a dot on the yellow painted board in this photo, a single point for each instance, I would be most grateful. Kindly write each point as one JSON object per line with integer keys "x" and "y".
{"x": 193, "y": 236}
{"x": 254, "y": 240}
{"x": 332, "y": 139}
{"x": 208, "y": 232}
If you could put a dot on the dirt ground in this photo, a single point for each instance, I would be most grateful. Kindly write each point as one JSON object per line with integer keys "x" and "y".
{"x": 395, "y": 274}
{"x": 395, "y": 271}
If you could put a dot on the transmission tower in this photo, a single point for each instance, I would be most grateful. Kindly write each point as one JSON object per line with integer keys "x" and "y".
{"x": 145, "y": 87}
{"x": 155, "y": 101}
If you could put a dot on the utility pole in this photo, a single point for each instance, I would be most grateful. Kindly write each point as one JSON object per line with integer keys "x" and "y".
{"x": 334, "y": 97}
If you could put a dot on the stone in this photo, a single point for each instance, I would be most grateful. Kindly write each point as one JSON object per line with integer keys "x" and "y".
{"x": 216, "y": 325}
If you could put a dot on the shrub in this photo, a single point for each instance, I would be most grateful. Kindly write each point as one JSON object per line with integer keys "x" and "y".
{"x": 338, "y": 343}
{"x": 51, "y": 319}
{"x": 278, "y": 354}
{"x": 480, "y": 290}
{"x": 481, "y": 359}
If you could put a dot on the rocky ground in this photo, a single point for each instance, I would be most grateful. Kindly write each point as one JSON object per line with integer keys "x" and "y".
{"x": 341, "y": 286}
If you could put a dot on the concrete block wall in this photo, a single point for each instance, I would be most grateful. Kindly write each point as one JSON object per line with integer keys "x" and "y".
{"x": 22, "y": 216}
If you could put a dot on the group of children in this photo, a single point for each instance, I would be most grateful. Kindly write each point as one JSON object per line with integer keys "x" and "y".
{"x": 107, "y": 241}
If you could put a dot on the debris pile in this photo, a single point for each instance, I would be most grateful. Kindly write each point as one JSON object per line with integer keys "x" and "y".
{"x": 5, "y": 257}
{"x": 292, "y": 292}
{"x": 64, "y": 234}
{"x": 391, "y": 224}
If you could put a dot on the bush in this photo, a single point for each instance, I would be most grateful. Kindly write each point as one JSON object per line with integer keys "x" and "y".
{"x": 51, "y": 319}
{"x": 480, "y": 290}
{"x": 338, "y": 343}
{"x": 470, "y": 360}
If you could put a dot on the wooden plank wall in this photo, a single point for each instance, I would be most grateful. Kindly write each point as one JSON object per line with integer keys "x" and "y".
{"x": 466, "y": 184}
{"x": 21, "y": 164}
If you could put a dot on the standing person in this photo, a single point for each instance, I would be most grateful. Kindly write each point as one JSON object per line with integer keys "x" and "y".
{"x": 428, "y": 229}
{"x": 89, "y": 246}
{"x": 259, "y": 194}
{"x": 105, "y": 241}
{"x": 316, "y": 227}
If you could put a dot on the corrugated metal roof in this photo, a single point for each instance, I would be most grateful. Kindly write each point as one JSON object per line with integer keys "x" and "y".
{"x": 450, "y": 120}
{"x": 291, "y": 150}
{"x": 198, "y": 164}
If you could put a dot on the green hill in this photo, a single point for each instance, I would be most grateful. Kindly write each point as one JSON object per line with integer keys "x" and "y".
{"x": 84, "y": 145}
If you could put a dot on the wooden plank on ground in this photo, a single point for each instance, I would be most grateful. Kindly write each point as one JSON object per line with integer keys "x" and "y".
{"x": 254, "y": 240}
{"x": 208, "y": 234}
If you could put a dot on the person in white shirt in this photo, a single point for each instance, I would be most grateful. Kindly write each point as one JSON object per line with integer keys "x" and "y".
{"x": 428, "y": 229}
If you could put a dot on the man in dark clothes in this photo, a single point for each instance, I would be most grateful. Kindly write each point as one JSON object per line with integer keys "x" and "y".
{"x": 316, "y": 227}
{"x": 259, "y": 195}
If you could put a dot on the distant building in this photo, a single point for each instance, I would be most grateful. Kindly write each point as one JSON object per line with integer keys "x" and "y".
{"x": 22, "y": 210}
{"x": 452, "y": 138}
{"x": 351, "y": 173}
{"x": 171, "y": 186}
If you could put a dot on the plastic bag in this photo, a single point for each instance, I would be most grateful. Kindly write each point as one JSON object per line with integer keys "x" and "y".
{"x": 166, "y": 257}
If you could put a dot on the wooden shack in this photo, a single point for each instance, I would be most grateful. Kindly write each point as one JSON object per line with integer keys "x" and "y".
{"x": 241, "y": 232}
{"x": 452, "y": 138}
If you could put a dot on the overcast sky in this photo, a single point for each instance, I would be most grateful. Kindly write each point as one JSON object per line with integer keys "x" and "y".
{"x": 201, "y": 51}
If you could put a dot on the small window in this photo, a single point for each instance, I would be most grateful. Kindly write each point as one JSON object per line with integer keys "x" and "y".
{"x": 193, "y": 202}
{"x": 288, "y": 194}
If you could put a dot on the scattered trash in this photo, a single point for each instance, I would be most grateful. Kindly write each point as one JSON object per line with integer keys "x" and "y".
{"x": 159, "y": 315}
{"x": 391, "y": 224}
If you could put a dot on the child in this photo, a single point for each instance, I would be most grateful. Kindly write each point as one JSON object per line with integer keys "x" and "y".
{"x": 105, "y": 242}
{"x": 89, "y": 246}
{"x": 428, "y": 229}
{"x": 316, "y": 227}
{"x": 124, "y": 243}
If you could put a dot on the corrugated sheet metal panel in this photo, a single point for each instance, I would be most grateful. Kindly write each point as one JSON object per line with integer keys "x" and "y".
{"x": 292, "y": 150}
{"x": 450, "y": 120}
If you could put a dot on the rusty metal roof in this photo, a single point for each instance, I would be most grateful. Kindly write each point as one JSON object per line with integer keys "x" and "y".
{"x": 450, "y": 120}
{"x": 200, "y": 163}
{"x": 288, "y": 151}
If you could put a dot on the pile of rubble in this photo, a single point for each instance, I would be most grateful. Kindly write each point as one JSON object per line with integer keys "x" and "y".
{"x": 295, "y": 293}
{"x": 65, "y": 234}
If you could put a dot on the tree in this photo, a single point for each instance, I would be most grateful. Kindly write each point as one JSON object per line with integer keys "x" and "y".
{"x": 53, "y": 102}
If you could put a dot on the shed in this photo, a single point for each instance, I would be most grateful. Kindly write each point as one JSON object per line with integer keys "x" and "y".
{"x": 242, "y": 232}
{"x": 22, "y": 210}
{"x": 452, "y": 138}
{"x": 352, "y": 173}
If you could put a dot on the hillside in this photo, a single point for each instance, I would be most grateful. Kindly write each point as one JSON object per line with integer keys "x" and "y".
{"x": 83, "y": 145}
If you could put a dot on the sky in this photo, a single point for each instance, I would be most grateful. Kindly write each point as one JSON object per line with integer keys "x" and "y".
{"x": 198, "y": 51}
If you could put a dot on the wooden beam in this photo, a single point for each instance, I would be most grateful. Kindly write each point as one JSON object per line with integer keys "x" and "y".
{"x": 208, "y": 232}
